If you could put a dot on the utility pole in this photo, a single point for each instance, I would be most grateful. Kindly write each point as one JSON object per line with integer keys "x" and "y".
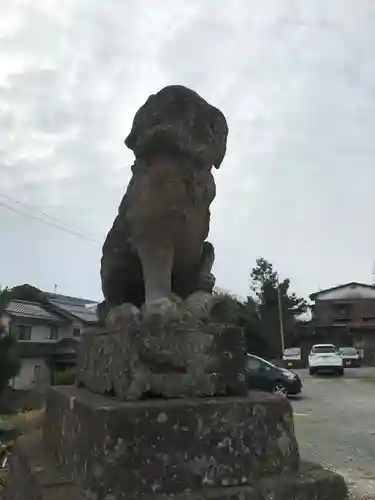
{"x": 280, "y": 316}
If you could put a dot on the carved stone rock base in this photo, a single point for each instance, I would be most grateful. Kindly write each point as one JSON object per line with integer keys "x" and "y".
{"x": 160, "y": 357}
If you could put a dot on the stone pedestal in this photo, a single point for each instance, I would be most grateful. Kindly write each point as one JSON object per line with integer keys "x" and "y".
{"x": 170, "y": 359}
{"x": 105, "y": 441}
{"x": 35, "y": 475}
{"x": 168, "y": 446}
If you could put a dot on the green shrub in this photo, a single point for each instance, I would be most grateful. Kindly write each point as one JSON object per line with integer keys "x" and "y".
{"x": 9, "y": 361}
{"x": 65, "y": 377}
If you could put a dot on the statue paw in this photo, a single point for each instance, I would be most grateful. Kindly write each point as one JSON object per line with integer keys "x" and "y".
{"x": 199, "y": 304}
{"x": 159, "y": 307}
{"x": 123, "y": 314}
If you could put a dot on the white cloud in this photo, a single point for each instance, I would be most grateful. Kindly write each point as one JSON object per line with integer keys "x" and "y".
{"x": 295, "y": 80}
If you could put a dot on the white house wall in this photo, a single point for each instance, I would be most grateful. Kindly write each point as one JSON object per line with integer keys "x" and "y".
{"x": 26, "y": 379}
{"x": 30, "y": 376}
{"x": 5, "y": 320}
{"x": 350, "y": 292}
{"x": 41, "y": 333}
{"x": 67, "y": 330}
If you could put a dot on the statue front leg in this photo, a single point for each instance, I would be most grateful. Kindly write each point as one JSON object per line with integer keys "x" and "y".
{"x": 157, "y": 263}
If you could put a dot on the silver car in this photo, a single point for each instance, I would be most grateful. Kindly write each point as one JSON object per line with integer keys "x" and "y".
{"x": 350, "y": 357}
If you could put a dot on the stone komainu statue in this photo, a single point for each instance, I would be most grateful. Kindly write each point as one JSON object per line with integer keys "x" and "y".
{"x": 156, "y": 246}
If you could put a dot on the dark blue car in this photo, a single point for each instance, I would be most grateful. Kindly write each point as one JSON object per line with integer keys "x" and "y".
{"x": 264, "y": 376}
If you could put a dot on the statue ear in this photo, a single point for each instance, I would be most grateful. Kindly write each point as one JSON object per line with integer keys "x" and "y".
{"x": 219, "y": 144}
{"x": 140, "y": 120}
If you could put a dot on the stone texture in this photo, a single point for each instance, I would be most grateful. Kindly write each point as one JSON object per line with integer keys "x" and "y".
{"x": 162, "y": 357}
{"x": 157, "y": 245}
{"x": 35, "y": 476}
{"x": 177, "y": 118}
{"x": 170, "y": 446}
{"x": 312, "y": 482}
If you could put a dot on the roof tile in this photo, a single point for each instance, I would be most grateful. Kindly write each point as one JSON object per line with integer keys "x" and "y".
{"x": 85, "y": 314}
{"x": 23, "y": 309}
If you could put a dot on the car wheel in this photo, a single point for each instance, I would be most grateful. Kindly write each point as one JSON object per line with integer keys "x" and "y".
{"x": 312, "y": 371}
{"x": 341, "y": 372}
{"x": 279, "y": 388}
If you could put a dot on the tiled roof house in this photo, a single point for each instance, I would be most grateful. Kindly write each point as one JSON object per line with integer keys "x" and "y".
{"x": 41, "y": 326}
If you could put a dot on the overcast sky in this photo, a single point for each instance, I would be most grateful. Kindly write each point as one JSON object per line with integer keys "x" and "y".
{"x": 295, "y": 79}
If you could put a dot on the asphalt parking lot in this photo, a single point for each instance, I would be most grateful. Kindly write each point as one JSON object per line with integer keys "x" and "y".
{"x": 335, "y": 425}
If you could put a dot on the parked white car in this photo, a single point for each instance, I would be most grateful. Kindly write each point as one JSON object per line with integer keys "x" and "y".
{"x": 325, "y": 358}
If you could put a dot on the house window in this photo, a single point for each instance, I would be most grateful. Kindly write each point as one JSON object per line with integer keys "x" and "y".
{"x": 342, "y": 309}
{"x": 22, "y": 332}
{"x": 342, "y": 312}
{"x": 54, "y": 333}
{"x": 76, "y": 332}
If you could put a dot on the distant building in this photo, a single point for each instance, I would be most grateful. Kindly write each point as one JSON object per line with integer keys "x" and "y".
{"x": 47, "y": 330}
{"x": 345, "y": 315}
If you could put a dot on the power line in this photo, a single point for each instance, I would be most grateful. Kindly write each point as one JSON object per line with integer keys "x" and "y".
{"x": 29, "y": 207}
{"x": 51, "y": 224}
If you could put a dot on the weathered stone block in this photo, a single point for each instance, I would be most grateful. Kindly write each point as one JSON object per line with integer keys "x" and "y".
{"x": 169, "y": 358}
{"x": 168, "y": 446}
{"x": 34, "y": 475}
